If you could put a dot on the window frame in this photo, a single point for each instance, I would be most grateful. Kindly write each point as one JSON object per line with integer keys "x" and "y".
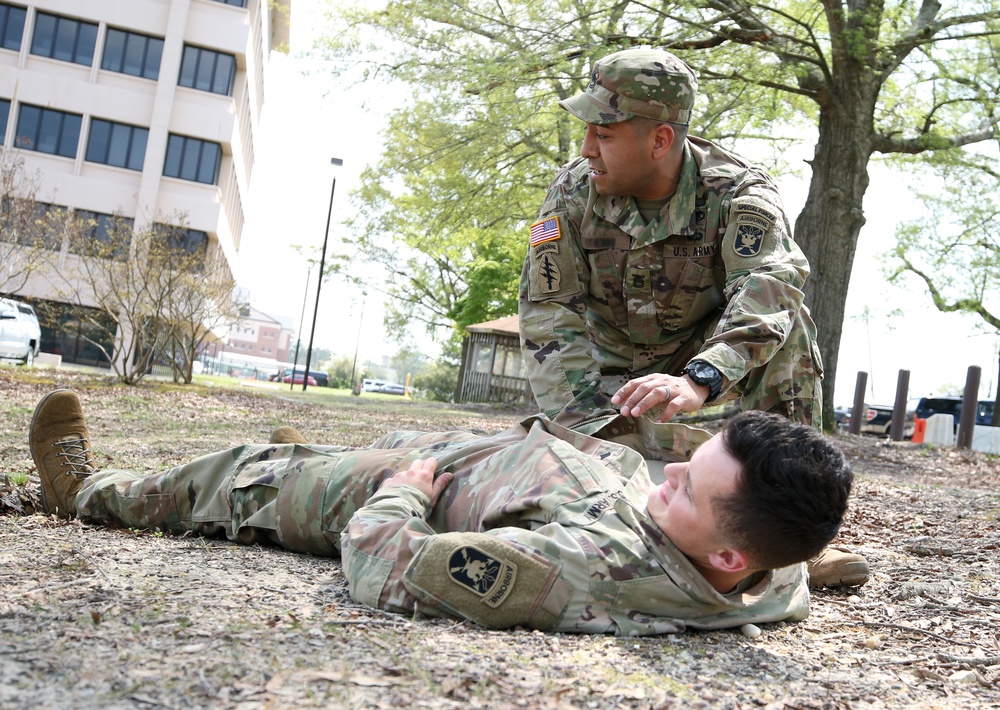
{"x": 131, "y": 161}
{"x": 5, "y": 26}
{"x": 44, "y": 113}
{"x": 59, "y": 29}
{"x": 196, "y": 71}
{"x": 182, "y": 159}
{"x": 101, "y": 230}
{"x": 4, "y": 118}
{"x": 145, "y": 71}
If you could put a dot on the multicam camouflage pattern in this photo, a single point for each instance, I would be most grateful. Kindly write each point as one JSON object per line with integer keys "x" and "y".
{"x": 716, "y": 276}
{"x": 636, "y": 82}
{"x": 542, "y": 526}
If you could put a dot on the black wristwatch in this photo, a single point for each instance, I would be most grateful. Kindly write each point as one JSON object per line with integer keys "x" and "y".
{"x": 703, "y": 373}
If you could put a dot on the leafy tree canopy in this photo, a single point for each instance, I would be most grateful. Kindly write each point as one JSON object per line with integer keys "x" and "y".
{"x": 955, "y": 253}
{"x": 467, "y": 159}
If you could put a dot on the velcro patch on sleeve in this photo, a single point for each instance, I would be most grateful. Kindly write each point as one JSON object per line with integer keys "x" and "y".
{"x": 552, "y": 272}
{"x": 753, "y": 218}
{"x": 545, "y": 230}
{"x": 487, "y": 580}
{"x": 753, "y": 210}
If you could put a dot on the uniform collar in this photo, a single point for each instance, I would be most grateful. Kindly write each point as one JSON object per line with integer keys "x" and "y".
{"x": 680, "y": 218}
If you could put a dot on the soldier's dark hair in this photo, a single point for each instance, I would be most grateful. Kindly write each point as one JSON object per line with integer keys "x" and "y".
{"x": 791, "y": 495}
{"x": 642, "y": 125}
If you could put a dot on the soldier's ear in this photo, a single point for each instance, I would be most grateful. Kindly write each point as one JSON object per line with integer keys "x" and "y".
{"x": 663, "y": 139}
{"x": 728, "y": 560}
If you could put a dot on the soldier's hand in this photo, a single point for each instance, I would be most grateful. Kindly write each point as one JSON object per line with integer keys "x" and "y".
{"x": 674, "y": 394}
{"x": 420, "y": 475}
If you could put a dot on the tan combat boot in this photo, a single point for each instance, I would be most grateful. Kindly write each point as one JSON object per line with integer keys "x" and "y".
{"x": 60, "y": 446}
{"x": 287, "y": 435}
{"x": 837, "y": 567}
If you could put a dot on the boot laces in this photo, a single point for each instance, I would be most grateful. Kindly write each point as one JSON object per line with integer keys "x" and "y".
{"x": 77, "y": 454}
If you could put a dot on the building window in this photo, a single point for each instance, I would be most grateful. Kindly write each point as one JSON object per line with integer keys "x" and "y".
{"x": 48, "y": 131}
{"x": 98, "y": 233}
{"x": 48, "y": 225}
{"x": 131, "y": 53}
{"x": 193, "y": 241}
{"x": 64, "y": 39}
{"x": 192, "y": 159}
{"x": 11, "y": 26}
{"x": 207, "y": 70}
{"x": 234, "y": 3}
{"x": 116, "y": 144}
{"x": 4, "y": 115}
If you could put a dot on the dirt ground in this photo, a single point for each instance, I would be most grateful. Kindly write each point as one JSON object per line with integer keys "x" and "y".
{"x": 100, "y": 618}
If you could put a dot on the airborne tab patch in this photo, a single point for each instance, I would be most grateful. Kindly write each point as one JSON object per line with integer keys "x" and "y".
{"x": 546, "y": 230}
{"x": 484, "y": 575}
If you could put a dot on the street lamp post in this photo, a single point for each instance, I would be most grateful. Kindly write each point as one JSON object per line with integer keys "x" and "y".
{"x": 298, "y": 336}
{"x": 354, "y": 386}
{"x": 319, "y": 281}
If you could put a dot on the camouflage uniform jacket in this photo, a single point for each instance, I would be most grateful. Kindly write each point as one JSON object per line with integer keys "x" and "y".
{"x": 546, "y": 528}
{"x": 716, "y": 276}
{"x": 542, "y": 526}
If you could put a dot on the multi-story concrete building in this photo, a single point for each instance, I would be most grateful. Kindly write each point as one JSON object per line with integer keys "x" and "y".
{"x": 137, "y": 108}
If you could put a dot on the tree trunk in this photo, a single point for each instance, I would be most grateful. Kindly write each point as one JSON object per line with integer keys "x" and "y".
{"x": 828, "y": 227}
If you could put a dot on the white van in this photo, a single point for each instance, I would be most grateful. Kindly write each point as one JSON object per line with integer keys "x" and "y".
{"x": 372, "y": 385}
{"x": 20, "y": 335}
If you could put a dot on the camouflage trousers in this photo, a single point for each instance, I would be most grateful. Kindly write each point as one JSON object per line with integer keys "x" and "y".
{"x": 299, "y": 497}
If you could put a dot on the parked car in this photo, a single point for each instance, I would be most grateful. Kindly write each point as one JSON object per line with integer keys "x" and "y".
{"x": 298, "y": 380}
{"x": 929, "y": 406}
{"x": 20, "y": 334}
{"x": 321, "y": 378}
{"x": 392, "y": 388}
{"x": 878, "y": 420}
{"x": 372, "y": 385}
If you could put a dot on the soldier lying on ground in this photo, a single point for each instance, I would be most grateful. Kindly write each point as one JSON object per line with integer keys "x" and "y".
{"x": 540, "y": 526}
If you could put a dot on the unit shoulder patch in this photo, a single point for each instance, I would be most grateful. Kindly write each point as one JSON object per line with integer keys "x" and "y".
{"x": 754, "y": 218}
{"x": 482, "y": 574}
{"x": 488, "y": 580}
{"x": 748, "y": 240}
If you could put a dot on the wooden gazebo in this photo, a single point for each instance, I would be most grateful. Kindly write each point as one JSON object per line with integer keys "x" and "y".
{"x": 492, "y": 367}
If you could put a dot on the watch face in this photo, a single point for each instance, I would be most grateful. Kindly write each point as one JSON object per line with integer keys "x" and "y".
{"x": 705, "y": 374}
{"x": 700, "y": 371}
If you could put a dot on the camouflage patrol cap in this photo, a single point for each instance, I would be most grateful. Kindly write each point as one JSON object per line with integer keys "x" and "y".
{"x": 636, "y": 82}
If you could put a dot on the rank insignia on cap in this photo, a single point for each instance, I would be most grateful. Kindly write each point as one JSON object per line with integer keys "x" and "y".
{"x": 546, "y": 230}
{"x": 482, "y": 574}
{"x": 748, "y": 240}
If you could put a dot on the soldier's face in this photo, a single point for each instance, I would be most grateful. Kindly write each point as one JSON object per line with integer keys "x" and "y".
{"x": 682, "y": 506}
{"x": 621, "y": 160}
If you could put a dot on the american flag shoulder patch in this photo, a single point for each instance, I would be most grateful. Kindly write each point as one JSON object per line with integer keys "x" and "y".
{"x": 545, "y": 230}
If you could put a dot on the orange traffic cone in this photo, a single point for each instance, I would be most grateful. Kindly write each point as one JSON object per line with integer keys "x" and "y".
{"x": 919, "y": 429}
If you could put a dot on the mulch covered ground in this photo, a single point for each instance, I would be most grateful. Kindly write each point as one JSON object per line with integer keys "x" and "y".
{"x": 92, "y": 617}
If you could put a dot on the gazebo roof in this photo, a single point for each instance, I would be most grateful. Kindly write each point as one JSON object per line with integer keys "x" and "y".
{"x": 500, "y": 326}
